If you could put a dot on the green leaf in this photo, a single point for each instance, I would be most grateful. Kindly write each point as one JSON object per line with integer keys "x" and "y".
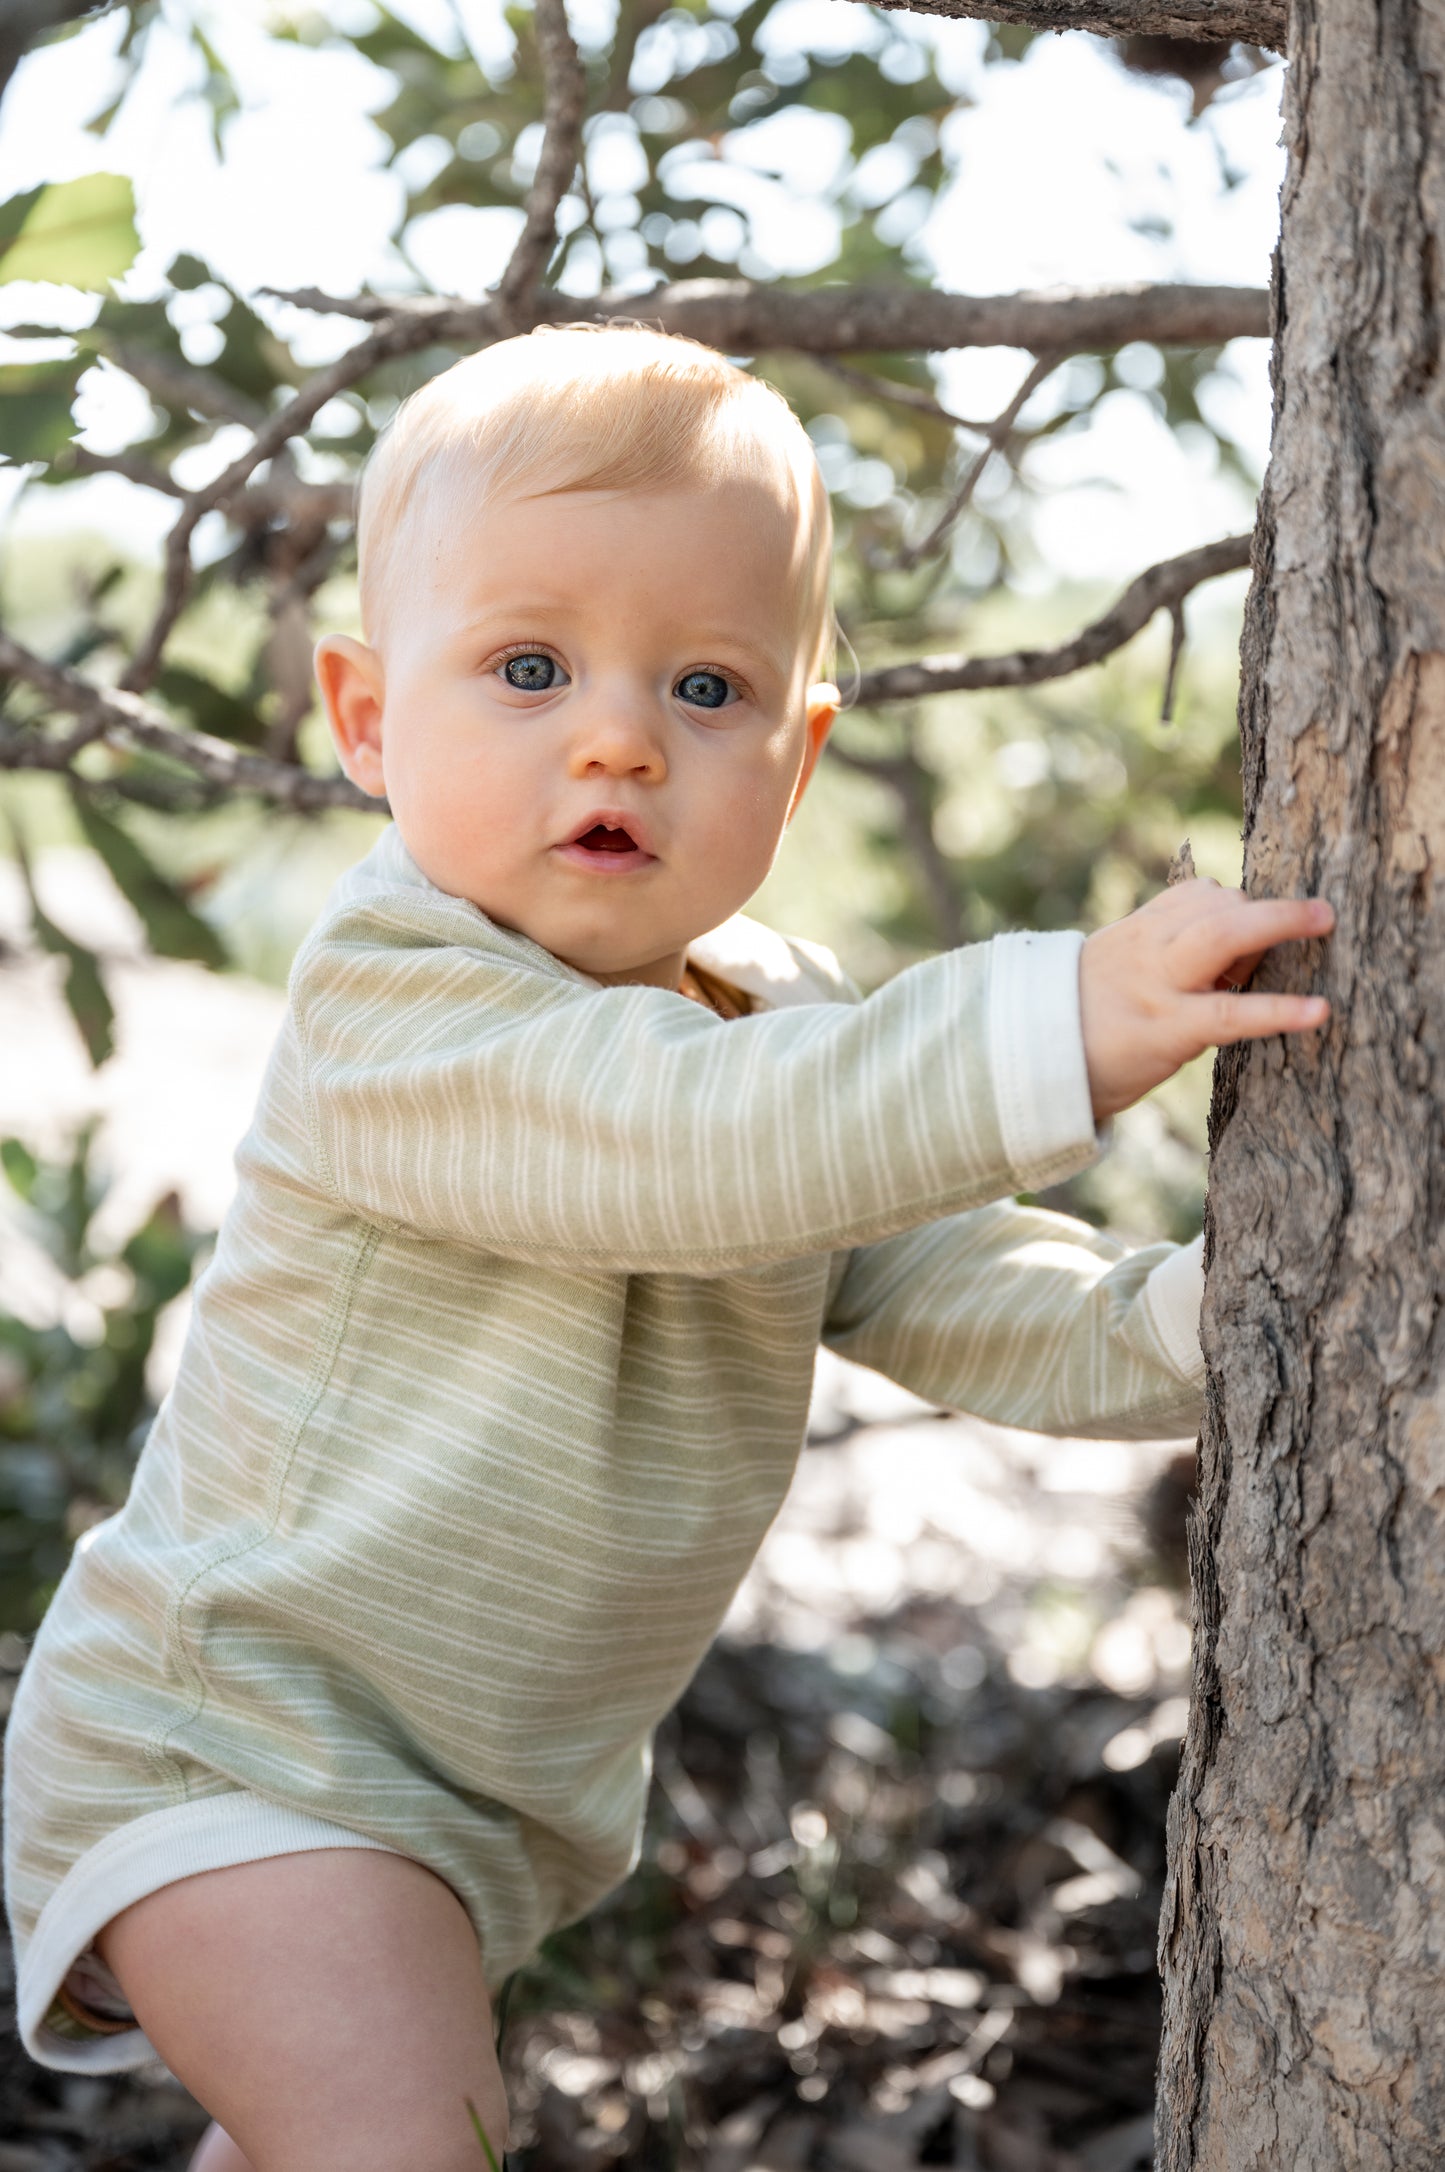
{"x": 253, "y": 359}
{"x": 161, "y": 1252}
{"x": 481, "y": 2134}
{"x": 188, "y": 272}
{"x": 90, "y": 1006}
{"x": 19, "y": 1165}
{"x": 172, "y": 928}
{"x": 218, "y": 90}
{"x": 15, "y": 212}
{"x": 209, "y": 707}
{"x": 35, "y": 404}
{"x": 75, "y": 233}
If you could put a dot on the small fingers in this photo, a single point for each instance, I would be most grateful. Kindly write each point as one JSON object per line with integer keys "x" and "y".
{"x": 1223, "y": 1018}
{"x": 1238, "y": 932}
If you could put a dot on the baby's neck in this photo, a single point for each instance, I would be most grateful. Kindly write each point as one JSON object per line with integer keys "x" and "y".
{"x": 664, "y": 972}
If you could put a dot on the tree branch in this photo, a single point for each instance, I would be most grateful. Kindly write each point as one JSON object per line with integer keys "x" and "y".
{"x": 178, "y": 384}
{"x": 118, "y": 720}
{"x": 994, "y": 435}
{"x": 1253, "y": 22}
{"x": 741, "y": 318}
{"x": 564, "y": 107}
{"x": 280, "y": 496}
{"x": 1162, "y": 587}
{"x": 911, "y": 785}
{"x": 631, "y": 24}
{"x": 390, "y": 338}
{"x": 901, "y": 395}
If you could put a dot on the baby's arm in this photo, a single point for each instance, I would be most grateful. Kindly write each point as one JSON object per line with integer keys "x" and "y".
{"x": 1035, "y": 1320}
{"x": 468, "y": 1092}
{"x": 463, "y": 1088}
{"x": 1030, "y": 1319}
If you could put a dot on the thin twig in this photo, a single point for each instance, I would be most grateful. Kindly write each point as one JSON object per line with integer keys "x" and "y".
{"x": 387, "y": 340}
{"x": 564, "y": 108}
{"x": 563, "y": 111}
{"x": 178, "y": 384}
{"x": 400, "y": 332}
{"x": 283, "y": 496}
{"x": 631, "y": 23}
{"x": 369, "y": 308}
{"x": 1176, "y": 650}
{"x": 909, "y": 781}
{"x": 121, "y": 721}
{"x": 1160, "y": 588}
{"x": 888, "y": 388}
{"x": 996, "y": 432}
{"x": 76, "y": 459}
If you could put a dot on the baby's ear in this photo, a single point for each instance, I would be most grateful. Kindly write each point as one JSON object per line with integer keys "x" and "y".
{"x": 821, "y": 708}
{"x": 353, "y": 687}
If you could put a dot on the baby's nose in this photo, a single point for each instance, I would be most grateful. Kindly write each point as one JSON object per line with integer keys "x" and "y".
{"x": 618, "y": 742}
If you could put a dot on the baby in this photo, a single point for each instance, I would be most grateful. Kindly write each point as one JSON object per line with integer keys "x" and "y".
{"x": 561, "y": 1171}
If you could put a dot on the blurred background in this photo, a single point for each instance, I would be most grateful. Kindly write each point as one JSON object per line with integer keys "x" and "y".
{"x": 898, "y": 1897}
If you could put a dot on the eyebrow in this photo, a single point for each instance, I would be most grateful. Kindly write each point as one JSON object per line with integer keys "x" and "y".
{"x": 532, "y": 608}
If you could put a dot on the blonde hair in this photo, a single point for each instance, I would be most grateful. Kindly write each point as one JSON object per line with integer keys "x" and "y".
{"x": 593, "y": 407}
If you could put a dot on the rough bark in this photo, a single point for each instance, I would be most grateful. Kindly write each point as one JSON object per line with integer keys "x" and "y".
{"x": 1303, "y": 1935}
{"x": 1257, "y": 22}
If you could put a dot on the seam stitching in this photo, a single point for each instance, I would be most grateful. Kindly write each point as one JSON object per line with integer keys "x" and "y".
{"x": 173, "y": 1645}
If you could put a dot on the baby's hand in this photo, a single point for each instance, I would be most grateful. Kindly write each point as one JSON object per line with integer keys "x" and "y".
{"x": 1157, "y": 988}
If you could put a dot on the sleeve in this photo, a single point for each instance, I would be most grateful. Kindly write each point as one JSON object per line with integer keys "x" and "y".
{"x": 1030, "y": 1319}
{"x": 485, "y": 1099}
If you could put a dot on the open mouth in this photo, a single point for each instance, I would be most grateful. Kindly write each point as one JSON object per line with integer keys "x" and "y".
{"x": 605, "y": 844}
{"x": 602, "y": 839}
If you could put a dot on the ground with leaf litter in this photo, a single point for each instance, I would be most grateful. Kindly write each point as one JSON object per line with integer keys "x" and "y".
{"x": 904, "y": 1853}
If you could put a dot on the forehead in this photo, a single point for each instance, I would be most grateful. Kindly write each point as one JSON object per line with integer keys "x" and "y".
{"x": 705, "y": 549}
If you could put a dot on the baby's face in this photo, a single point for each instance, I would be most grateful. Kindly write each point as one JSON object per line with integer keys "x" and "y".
{"x": 591, "y": 715}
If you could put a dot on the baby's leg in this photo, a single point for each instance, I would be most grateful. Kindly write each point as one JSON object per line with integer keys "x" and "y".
{"x": 218, "y": 2153}
{"x": 327, "y": 2008}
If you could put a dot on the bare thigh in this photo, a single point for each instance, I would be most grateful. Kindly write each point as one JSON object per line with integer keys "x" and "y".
{"x": 327, "y": 2008}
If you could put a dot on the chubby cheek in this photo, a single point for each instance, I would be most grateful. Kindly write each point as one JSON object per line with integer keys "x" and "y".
{"x": 455, "y": 806}
{"x": 741, "y": 819}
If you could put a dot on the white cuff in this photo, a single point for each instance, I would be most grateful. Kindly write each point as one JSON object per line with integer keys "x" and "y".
{"x": 212, "y": 1832}
{"x": 1036, "y": 1048}
{"x": 1173, "y": 1295}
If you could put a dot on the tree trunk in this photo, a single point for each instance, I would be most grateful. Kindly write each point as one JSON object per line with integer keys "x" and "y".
{"x": 1303, "y": 1935}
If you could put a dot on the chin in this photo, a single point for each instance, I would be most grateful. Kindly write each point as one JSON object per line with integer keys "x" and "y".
{"x": 611, "y": 961}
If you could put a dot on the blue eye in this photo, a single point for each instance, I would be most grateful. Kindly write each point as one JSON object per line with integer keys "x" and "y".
{"x": 532, "y": 673}
{"x": 703, "y": 689}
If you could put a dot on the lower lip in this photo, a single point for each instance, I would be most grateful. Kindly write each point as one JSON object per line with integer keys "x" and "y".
{"x": 606, "y": 863}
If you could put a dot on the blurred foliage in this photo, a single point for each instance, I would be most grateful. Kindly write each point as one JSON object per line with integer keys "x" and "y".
{"x": 74, "y": 1405}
